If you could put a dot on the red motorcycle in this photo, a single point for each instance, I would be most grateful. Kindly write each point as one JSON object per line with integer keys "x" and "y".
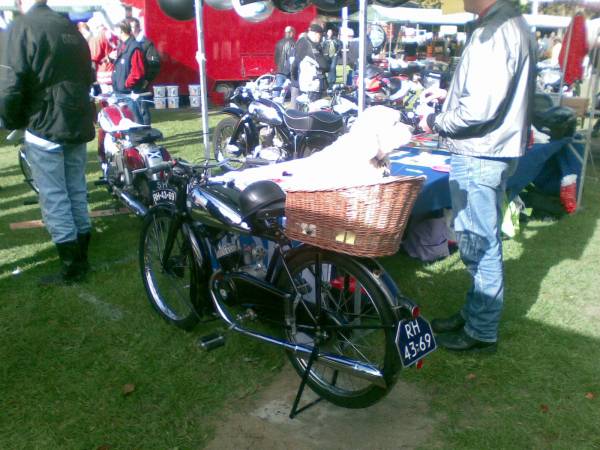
{"x": 127, "y": 149}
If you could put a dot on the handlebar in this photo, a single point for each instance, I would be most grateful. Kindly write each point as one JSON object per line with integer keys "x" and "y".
{"x": 115, "y": 97}
{"x": 188, "y": 168}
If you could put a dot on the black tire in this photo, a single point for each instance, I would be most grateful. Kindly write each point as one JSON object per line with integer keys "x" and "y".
{"x": 223, "y": 132}
{"x": 26, "y": 170}
{"x": 173, "y": 291}
{"x": 373, "y": 346}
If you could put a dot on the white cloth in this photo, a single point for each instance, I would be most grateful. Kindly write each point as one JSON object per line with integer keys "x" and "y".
{"x": 349, "y": 161}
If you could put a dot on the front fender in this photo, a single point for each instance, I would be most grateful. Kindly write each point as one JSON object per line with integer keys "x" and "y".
{"x": 238, "y": 112}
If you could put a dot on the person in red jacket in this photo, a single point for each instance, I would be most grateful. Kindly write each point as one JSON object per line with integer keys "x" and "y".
{"x": 103, "y": 51}
{"x": 128, "y": 75}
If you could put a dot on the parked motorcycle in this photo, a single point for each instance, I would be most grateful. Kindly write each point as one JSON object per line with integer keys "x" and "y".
{"x": 125, "y": 148}
{"x": 343, "y": 322}
{"x": 260, "y": 131}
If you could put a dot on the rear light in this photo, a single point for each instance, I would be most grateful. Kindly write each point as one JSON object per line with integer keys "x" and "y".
{"x": 133, "y": 159}
{"x": 415, "y": 312}
{"x": 419, "y": 364}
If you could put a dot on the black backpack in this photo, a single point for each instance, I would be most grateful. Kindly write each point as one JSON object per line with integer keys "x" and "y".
{"x": 151, "y": 60}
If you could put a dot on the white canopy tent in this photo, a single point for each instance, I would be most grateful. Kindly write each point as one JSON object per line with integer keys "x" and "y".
{"x": 376, "y": 13}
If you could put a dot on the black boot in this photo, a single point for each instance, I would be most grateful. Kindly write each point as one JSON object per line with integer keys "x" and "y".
{"x": 453, "y": 323}
{"x": 84, "y": 242}
{"x": 71, "y": 270}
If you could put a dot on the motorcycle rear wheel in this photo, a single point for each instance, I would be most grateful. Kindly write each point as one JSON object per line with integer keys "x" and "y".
{"x": 223, "y": 132}
{"x": 26, "y": 170}
{"x": 341, "y": 277}
{"x": 172, "y": 288}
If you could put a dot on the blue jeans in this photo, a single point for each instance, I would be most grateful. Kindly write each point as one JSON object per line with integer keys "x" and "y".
{"x": 477, "y": 187}
{"x": 60, "y": 176}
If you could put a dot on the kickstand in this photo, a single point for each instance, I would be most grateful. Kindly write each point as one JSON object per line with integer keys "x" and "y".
{"x": 295, "y": 410}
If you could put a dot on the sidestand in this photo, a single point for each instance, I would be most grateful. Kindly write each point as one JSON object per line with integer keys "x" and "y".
{"x": 295, "y": 410}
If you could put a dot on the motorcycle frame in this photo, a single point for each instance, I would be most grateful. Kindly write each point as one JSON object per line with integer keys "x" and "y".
{"x": 293, "y": 140}
{"x": 201, "y": 238}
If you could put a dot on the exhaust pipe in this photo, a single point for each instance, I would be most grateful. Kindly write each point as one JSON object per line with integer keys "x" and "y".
{"x": 353, "y": 367}
{"x": 135, "y": 206}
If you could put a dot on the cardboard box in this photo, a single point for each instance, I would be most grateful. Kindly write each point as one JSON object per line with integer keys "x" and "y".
{"x": 579, "y": 104}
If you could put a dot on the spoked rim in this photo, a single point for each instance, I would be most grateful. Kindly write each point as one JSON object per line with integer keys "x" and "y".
{"x": 222, "y": 138}
{"x": 27, "y": 173}
{"x": 348, "y": 301}
{"x": 170, "y": 285}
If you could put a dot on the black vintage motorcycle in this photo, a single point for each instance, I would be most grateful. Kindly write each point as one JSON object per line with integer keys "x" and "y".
{"x": 342, "y": 320}
{"x": 261, "y": 131}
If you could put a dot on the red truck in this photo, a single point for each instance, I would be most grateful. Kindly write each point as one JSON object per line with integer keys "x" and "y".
{"x": 236, "y": 50}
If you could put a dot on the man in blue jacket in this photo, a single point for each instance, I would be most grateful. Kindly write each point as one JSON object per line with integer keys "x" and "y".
{"x": 45, "y": 79}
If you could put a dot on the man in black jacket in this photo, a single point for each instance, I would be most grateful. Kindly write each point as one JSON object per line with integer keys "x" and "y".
{"x": 45, "y": 79}
{"x": 284, "y": 50}
{"x": 309, "y": 57}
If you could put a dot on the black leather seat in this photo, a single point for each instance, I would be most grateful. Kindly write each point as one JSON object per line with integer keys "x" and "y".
{"x": 316, "y": 121}
{"x": 143, "y": 135}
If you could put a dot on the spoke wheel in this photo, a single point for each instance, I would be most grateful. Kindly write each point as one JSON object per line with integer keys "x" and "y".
{"x": 350, "y": 298}
{"x": 173, "y": 287}
{"x": 26, "y": 169}
{"x": 222, "y": 136}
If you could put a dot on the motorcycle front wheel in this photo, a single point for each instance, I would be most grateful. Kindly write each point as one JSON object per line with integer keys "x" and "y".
{"x": 350, "y": 298}
{"x": 171, "y": 282}
{"x": 223, "y": 132}
{"x": 26, "y": 170}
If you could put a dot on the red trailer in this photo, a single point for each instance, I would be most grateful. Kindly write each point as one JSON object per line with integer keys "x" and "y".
{"x": 236, "y": 50}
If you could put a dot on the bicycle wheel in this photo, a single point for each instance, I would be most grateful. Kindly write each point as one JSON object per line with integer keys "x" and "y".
{"x": 26, "y": 169}
{"x": 350, "y": 297}
{"x": 223, "y": 132}
{"x": 172, "y": 287}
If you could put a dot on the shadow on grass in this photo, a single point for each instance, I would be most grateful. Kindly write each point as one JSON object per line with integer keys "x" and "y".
{"x": 547, "y": 356}
{"x": 173, "y": 115}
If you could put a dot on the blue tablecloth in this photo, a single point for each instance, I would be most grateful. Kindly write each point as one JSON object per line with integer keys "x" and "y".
{"x": 543, "y": 164}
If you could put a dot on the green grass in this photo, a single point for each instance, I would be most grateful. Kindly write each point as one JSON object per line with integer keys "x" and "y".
{"x": 68, "y": 352}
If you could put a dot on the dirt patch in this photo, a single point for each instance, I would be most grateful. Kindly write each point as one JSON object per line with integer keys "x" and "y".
{"x": 400, "y": 421}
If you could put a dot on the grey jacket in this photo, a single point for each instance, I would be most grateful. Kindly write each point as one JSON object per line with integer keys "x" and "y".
{"x": 488, "y": 106}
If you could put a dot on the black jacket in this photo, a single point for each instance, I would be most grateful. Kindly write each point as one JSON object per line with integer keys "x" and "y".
{"x": 284, "y": 49}
{"x": 45, "y": 78}
{"x": 306, "y": 47}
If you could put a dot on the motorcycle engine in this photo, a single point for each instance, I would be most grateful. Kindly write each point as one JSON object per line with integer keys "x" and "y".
{"x": 271, "y": 147}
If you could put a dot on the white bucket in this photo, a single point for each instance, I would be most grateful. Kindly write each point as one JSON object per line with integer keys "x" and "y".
{"x": 194, "y": 90}
{"x": 172, "y": 91}
{"x": 173, "y": 102}
{"x": 195, "y": 101}
{"x": 160, "y": 91}
{"x": 160, "y": 102}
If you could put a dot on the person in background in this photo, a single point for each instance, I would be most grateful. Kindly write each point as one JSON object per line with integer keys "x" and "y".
{"x": 128, "y": 76}
{"x": 331, "y": 49}
{"x": 103, "y": 51}
{"x": 310, "y": 65}
{"x": 136, "y": 29}
{"x": 84, "y": 29}
{"x": 485, "y": 118}
{"x": 41, "y": 91}
{"x": 284, "y": 51}
{"x": 145, "y": 44}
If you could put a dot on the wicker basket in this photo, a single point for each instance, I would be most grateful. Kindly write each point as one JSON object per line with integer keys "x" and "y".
{"x": 366, "y": 220}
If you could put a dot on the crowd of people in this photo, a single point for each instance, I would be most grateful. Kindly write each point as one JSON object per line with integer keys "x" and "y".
{"x": 41, "y": 93}
{"x": 310, "y": 62}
